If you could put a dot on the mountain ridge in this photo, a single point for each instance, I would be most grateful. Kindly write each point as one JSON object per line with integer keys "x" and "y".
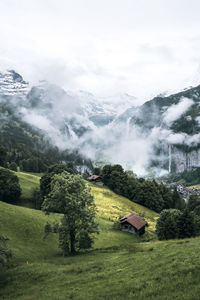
{"x": 166, "y": 128}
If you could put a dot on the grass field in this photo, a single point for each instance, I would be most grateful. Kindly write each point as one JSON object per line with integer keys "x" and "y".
{"x": 119, "y": 266}
{"x": 27, "y": 182}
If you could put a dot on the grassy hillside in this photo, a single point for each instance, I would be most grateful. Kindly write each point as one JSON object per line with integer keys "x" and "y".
{"x": 25, "y": 229}
{"x": 118, "y": 267}
{"x": 27, "y": 182}
{"x": 111, "y": 206}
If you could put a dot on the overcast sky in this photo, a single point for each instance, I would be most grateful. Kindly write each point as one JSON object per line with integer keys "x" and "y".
{"x": 140, "y": 47}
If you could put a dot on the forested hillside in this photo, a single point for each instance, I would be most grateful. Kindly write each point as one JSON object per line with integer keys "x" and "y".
{"x": 28, "y": 146}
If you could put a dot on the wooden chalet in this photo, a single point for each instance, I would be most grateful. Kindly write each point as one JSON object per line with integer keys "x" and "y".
{"x": 96, "y": 179}
{"x": 133, "y": 223}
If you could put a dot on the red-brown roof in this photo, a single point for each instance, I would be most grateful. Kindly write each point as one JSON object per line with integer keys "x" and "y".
{"x": 134, "y": 220}
{"x": 94, "y": 177}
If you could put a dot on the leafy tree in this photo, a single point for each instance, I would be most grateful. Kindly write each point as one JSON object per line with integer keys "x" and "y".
{"x": 70, "y": 196}
{"x": 105, "y": 173}
{"x": 35, "y": 165}
{"x": 131, "y": 174}
{"x": 167, "y": 224}
{"x": 10, "y": 190}
{"x": 97, "y": 171}
{"x": 186, "y": 224}
{"x": 147, "y": 194}
{"x": 130, "y": 187}
{"x": 144, "y": 192}
{"x": 3, "y": 154}
{"x": 193, "y": 202}
{"x": 177, "y": 201}
{"x": 117, "y": 182}
{"x": 166, "y": 195}
{"x": 45, "y": 180}
{"x": 59, "y": 168}
{"x": 13, "y": 166}
{"x": 197, "y": 210}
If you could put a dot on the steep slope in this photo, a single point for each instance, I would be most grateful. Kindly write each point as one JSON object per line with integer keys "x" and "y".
{"x": 24, "y": 140}
{"x": 119, "y": 267}
{"x": 24, "y": 226}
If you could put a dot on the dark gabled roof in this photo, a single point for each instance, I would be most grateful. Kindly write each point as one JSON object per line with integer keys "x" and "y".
{"x": 134, "y": 220}
{"x": 94, "y": 177}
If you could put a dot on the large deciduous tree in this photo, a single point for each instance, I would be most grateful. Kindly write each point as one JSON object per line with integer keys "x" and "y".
{"x": 70, "y": 196}
{"x": 45, "y": 181}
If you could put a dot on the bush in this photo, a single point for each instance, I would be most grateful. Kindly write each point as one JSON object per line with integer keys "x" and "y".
{"x": 13, "y": 166}
{"x": 173, "y": 224}
{"x": 186, "y": 225}
{"x": 10, "y": 190}
{"x": 167, "y": 224}
{"x": 147, "y": 194}
{"x": 193, "y": 202}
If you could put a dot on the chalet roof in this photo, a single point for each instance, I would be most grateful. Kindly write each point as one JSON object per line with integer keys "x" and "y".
{"x": 94, "y": 177}
{"x": 134, "y": 220}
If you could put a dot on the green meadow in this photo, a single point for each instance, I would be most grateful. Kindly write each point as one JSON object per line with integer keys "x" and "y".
{"x": 119, "y": 266}
{"x": 27, "y": 182}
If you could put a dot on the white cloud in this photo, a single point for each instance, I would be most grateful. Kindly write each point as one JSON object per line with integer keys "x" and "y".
{"x": 175, "y": 111}
{"x": 106, "y": 47}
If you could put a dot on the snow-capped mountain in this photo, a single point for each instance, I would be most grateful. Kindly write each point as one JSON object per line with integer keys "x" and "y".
{"x": 163, "y": 132}
{"x": 12, "y": 84}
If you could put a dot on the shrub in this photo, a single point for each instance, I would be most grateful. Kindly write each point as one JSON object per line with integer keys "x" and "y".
{"x": 13, "y": 166}
{"x": 10, "y": 190}
{"x": 167, "y": 224}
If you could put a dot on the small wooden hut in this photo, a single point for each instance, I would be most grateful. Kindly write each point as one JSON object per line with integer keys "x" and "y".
{"x": 133, "y": 223}
{"x": 96, "y": 179}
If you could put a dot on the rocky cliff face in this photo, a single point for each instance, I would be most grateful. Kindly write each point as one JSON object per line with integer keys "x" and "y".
{"x": 178, "y": 161}
{"x": 183, "y": 161}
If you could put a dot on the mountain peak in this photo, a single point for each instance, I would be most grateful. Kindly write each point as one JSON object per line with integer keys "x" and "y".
{"x": 12, "y": 84}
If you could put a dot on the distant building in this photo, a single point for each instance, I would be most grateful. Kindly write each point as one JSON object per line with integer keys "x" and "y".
{"x": 96, "y": 179}
{"x": 133, "y": 223}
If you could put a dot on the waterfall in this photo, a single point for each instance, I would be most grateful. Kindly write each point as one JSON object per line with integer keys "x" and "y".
{"x": 128, "y": 127}
{"x": 170, "y": 158}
